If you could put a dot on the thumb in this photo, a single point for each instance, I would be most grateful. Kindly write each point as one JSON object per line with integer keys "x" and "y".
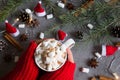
{"x": 70, "y": 55}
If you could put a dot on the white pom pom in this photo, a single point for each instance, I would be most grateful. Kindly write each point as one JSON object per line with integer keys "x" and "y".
{"x": 40, "y": 2}
{"x": 90, "y": 26}
{"x": 6, "y": 21}
{"x": 28, "y": 11}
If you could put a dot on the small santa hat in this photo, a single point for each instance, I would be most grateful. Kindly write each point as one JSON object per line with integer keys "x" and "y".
{"x": 108, "y": 50}
{"x": 61, "y": 35}
{"x": 39, "y": 11}
{"x": 11, "y": 30}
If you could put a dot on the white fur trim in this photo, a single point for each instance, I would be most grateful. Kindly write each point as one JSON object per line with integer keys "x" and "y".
{"x": 40, "y": 2}
{"x": 69, "y": 43}
{"x": 86, "y": 70}
{"x": 6, "y": 21}
{"x": 15, "y": 34}
{"x": 103, "y": 50}
{"x": 40, "y": 14}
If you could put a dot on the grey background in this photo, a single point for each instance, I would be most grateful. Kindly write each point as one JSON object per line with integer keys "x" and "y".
{"x": 82, "y": 52}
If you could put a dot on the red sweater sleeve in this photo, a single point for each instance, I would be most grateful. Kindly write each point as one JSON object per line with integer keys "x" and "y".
{"x": 64, "y": 73}
{"x": 26, "y": 68}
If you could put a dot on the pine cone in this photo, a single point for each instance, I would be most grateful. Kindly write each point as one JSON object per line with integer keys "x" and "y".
{"x": 79, "y": 35}
{"x": 24, "y": 17}
{"x": 116, "y": 31}
{"x": 93, "y": 63}
{"x": 7, "y": 58}
{"x": 3, "y": 45}
{"x": 23, "y": 37}
{"x": 70, "y": 6}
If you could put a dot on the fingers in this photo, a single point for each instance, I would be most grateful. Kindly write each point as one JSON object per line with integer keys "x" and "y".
{"x": 70, "y": 55}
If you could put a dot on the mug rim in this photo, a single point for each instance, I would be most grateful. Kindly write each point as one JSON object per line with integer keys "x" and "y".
{"x": 44, "y": 68}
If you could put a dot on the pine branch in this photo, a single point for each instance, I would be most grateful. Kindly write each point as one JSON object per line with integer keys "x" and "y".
{"x": 9, "y": 7}
{"x": 52, "y": 8}
{"x": 101, "y": 15}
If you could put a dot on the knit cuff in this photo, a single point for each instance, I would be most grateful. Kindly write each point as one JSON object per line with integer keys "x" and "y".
{"x": 26, "y": 68}
{"x": 70, "y": 66}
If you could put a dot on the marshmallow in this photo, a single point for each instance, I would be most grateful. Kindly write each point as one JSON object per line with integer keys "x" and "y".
{"x": 49, "y": 67}
{"x": 39, "y": 50}
{"x": 85, "y": 70}
{"x": 49, "y": 16}
{"x": 38, "y": 60}
{"x": 60, "y": 59}
{"x": 53, "y": 44}
{"x": 55, "y": 64}
{"x": 28, "y": 11}
{"x": 90, "y": 26}
{"x": 60, "y": 4}
{"x": 98, "y": 55}
{"x": 41, "y": 35}
{"x": 48, "y": 60}
{"x": 21, "y": 25}
{"x": 45, "y": 44}
{"x": 51, "y": 54}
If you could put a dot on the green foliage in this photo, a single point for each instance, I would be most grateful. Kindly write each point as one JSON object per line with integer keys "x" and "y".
{"x": 52, "y": 8}
{"x": 8, "y": 8}
{"x": 101, "y": 15}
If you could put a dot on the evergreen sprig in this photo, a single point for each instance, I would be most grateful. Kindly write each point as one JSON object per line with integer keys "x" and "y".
{"x": 101, "y": 15}
{"x": 52, "y": 8}
{"x": 10, "y": 6}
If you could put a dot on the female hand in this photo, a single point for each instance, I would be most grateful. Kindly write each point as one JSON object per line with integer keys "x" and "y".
{"x": 70, "y": 55}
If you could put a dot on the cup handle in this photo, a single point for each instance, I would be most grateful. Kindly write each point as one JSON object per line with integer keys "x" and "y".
{"x": 69, "y": 43}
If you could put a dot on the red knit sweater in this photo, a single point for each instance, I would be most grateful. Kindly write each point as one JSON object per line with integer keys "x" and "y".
{"x": 26, "y": 69}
